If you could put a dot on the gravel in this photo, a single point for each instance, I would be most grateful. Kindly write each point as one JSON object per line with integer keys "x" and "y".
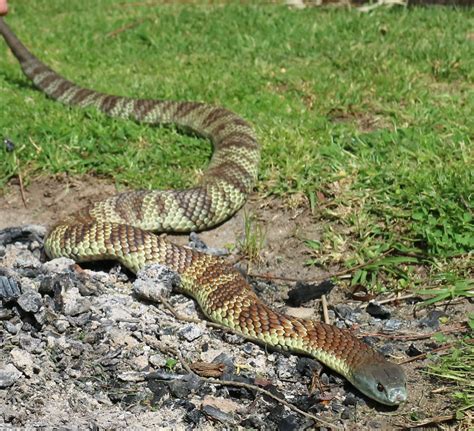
{"x": 76, "y": 342}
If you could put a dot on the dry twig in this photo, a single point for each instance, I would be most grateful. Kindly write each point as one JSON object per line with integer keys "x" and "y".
{"x": 248, "y": 386}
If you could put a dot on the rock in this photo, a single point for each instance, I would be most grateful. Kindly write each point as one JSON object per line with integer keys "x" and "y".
{"x": 307, "y": 366}
{"x": 198, "y": 244}
{"x": 154, "y": 281}
{"x": 22, "y": 360}
{"x": 285, "y": 366}
{"x": 304, "y": 292}
{"x": 157, "y": 361}
{"x": 432, "y": 319}
{"x": 131, "y": 376}
{"x": 30, "y": 344}
{"x": 59, "y": 265}
{"x": 350, "y": 400}
{"x": 30, "y": 301}
{"x": 61, "y": 325}
{"x": 191, "y": 332}
{"x": 23, "y": 234}
{"x": 376, "y": 310}
{"x": 346, "y": 414}
{"x": 227, "y": 360}
{"x": 184, "y": 387}
{"x": 393, "y": 325}
{"x": 220, "y": 409}
{"x": 9, "y": 289}
{"x": 288, "y": 423}
{"x": 73, "y": 303}
{"x": 413, "y": 350}
{"x": 11, "y": 327}
{"x": 118, "y": 313}
{"x": 9, "y": 374}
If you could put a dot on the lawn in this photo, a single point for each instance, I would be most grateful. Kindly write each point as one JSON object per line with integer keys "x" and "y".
{"x": 365, "y": 119}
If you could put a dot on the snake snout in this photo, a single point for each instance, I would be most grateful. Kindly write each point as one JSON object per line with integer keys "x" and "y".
{"x": 397, "y": 395}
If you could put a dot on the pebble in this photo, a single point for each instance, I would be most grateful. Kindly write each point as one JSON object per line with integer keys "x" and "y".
{"x": 198, "y": 244}
{"x": 307, "y": 366}
{"x": 59, "y": 265}
{"x": 393, "y": 325}
{"x": 218, "y": 415}
{"x": 9, "y": 374}
{"x": 432, "y": 319}
{"x": 154, "y": 281}
{"x": 11, "y": 327}
{"x": 30, "y": 301}
{"x": 74, "y": 303}
{"x": 9, "y": 289}
{"x": 191, "y": 332}
{"x": 288, "y": 423}
{"x": 30, "y": 344}
{"x": 22, "y": 360}
{"x": 377, "y": 310}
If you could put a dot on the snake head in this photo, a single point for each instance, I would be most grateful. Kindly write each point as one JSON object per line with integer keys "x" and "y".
{"x": 382, "y": 380}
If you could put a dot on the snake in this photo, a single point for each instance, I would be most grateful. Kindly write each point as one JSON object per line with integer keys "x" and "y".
{"x": 124, "y": 228}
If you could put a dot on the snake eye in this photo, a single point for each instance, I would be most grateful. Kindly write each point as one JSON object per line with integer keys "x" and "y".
{"x": 380, "y": 387}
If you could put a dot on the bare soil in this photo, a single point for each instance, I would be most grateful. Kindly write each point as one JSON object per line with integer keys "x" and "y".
{"x": 49, "y": 199}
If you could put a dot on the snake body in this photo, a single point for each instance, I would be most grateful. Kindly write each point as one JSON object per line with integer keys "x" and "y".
{"x": 121, "y": 228}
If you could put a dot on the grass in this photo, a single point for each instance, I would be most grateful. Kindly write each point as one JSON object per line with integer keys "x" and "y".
{"x": 253, "y": 239}
{"x": 367, "y": 116}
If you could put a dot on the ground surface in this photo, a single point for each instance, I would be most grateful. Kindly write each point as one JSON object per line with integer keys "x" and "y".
{"x": 133, "y": 332}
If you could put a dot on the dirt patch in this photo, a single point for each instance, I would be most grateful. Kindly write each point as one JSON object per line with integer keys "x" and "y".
{"x": 48, "y": 199}
{"x": 138, "y": 323}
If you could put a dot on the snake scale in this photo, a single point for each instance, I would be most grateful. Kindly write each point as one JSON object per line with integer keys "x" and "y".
{"x": 123, "y": 228}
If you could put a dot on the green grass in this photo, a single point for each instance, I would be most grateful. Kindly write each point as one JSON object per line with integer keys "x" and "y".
{"x": 372, "y": 112}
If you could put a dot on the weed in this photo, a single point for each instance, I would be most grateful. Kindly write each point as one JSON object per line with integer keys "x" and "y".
{"x": 253, "y": 239}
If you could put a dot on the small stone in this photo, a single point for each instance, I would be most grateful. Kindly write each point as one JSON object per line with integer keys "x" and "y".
{"x": 432, "y": 319}
{"x": 307, "y": 366}
{"x": 9, "y": 374}
{"x": 157, "y": 361}
{"x": 30, "y": 344}
{"x": 61, "y": 325}
{"x": 59, "y": 265}
{"x": 73, "y": 303}
{"x": 227, "y": 360}
{"x": 22, "y": 360}
{"x": 288, "y": 423}
{"x": 155, "y": 281}
{"x": 12, "y": 328}
{"x": 350, "y": 400}
{"x": 248, "y": 348}
{"x": 131, "y": 376}
{"x": 9, "y": 289}
{"x": 191, "y": 332}
{"x": 376, "y": 310}
{"x": 198, "y": 244}
{"x": 285, "y": 367}
{"x": 218, "y": 415}
{"x": 413, "y": 350}
{"x": 392, "y": 325}
{"x": 30, "y": 301}
{"x": 346, "y": 414}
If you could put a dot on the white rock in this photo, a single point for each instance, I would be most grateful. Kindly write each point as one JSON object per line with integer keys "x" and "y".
{"x": 22, "y": 360}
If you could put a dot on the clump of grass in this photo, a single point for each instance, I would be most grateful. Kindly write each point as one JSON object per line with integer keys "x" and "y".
{"x": 457, "y": 369}
{"x": 253, "y": 239}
